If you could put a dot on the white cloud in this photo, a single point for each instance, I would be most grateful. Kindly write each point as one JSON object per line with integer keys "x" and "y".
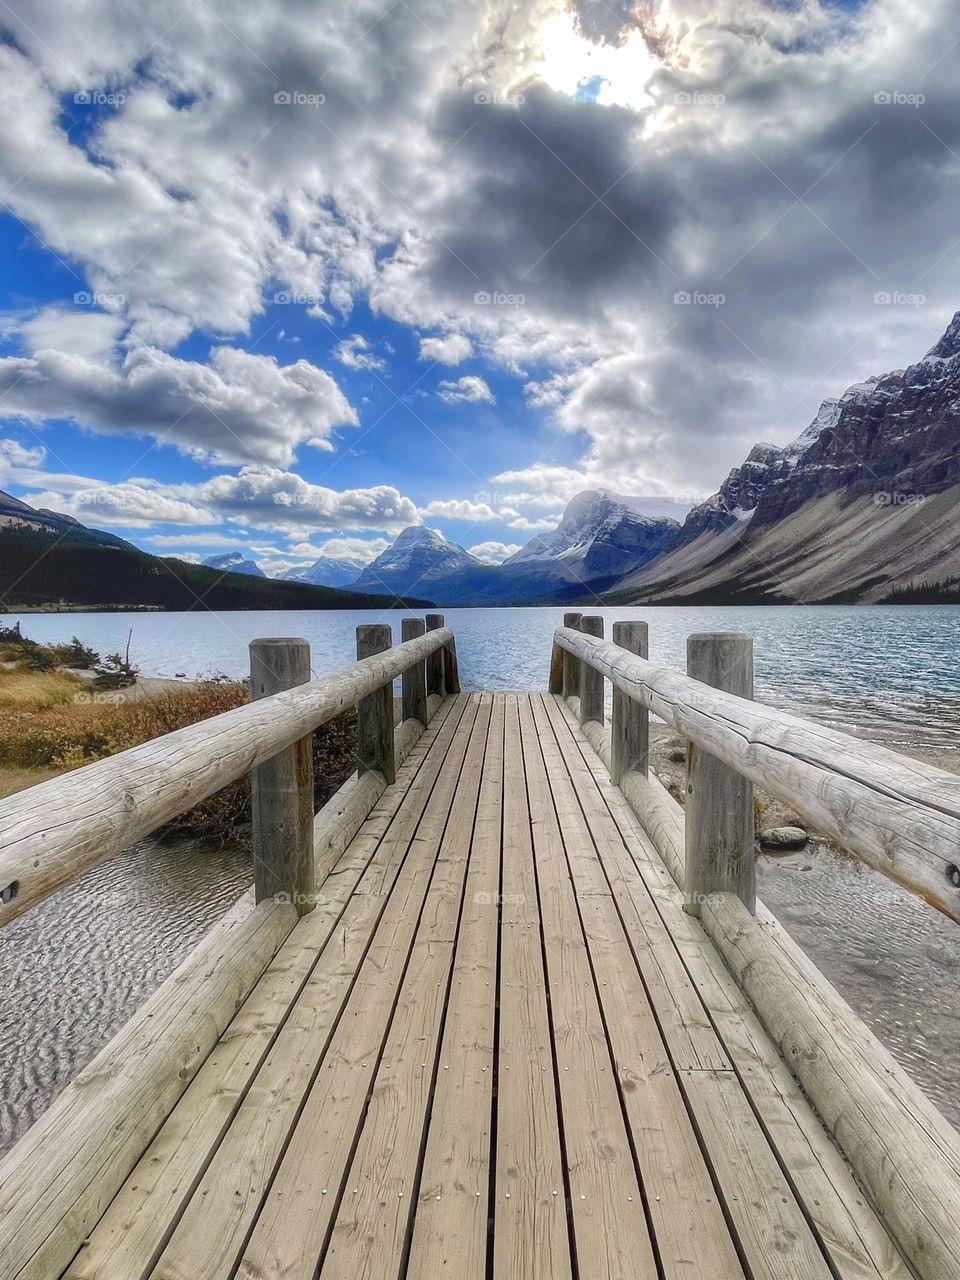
{"x": 364, "y": 549}
{"x": 239, "y": 408}
{"x": 452, "y": 348}
{"x": 127, "y": 503}
{"x": 354, "y": 352}
{"x": 77, "y": 331}
{"x": 494, "y": 552}
{"x": 197, "y": 539}
{"x": 534, "y": 526}
{"x": 15, "y": 454}
{"x": 471, "y": 387}
{"x": 459, "y": 509}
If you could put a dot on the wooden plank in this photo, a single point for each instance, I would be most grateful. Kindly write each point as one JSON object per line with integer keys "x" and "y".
{"x": 435, "y": 663}
{"x": 570, "y": 676}
{"x": 778, "y": 1244}
{"x": 900, "y": 815}
{"x": 61, "y": 1175}
{"x": 591, "y": 681}
{"x": 858, "y": 1245}
{"x": 290, "y": 1232}
{"x": 692, "y": 1237}
{"x": 126, "y": 1242}
{"x": 371, "y": 1228}
{"x": 450, "y": 1227}
{"x": 210, "y": 1236}
{"x": 607, "y": 1209}
{"x": 530, "y": 1221}
{"x": 53, "y": 832}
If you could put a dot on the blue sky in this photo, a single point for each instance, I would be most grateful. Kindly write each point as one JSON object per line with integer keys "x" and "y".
{"x": 288, "y": 282}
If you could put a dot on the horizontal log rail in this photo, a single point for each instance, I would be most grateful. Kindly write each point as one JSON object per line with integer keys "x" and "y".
{"x": 54, "y": 832}
{"x": 900, "y": 816}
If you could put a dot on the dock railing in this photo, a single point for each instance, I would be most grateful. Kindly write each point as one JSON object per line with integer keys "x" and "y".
{"x": 59, "y": 1177}
{"x": 900, "y": 816}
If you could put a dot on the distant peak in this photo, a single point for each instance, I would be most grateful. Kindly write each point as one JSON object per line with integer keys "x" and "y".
{"x": 949, "y": 344}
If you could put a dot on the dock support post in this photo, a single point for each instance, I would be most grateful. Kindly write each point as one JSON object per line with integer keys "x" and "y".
{"x": 630, "y": 726}
{"x": 591, "y": 681}
{"x": 282, "y": 788}
{"x": 570, "y": 686}
{"x": 435, "y": 673}
{"x": 719, "y": 820}
{"x": 451, "y": 669}
{"x": 414, "y": 679}
{"x": 375, "y": 742}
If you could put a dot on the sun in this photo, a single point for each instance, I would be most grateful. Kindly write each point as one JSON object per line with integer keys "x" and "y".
{"x": 611, "y": 75}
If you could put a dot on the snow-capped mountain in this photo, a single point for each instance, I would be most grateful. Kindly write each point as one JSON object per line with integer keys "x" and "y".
{"x": 327, "y": 571}
{"x": 600, "y": 536}
{"x": 416, "y": 561}
{"x": 235, "y": 562}
{"x": 861, "y": 504}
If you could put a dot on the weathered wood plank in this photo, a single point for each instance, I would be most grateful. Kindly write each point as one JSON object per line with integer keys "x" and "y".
{"x": 414, "y": 680}
{"x": 609, "y": 1224}
{"x": 292, "y": 1226}
{"x": 692, "y": 1238}
{"x": 629, "y": 722}
{"x": 591, "y": 681}
{"x": 128, "y": 1239}
{"x": 384, "y": 1166}
{"x": 850, "y": 1232}
{"x": 530, "y": 1221}
{"x": 899, "y": 815}
{"x": 450, "y": 1227}
{"x": 210, "y": 1236}
{"x": 53, "y": 832}
{"x": 570, "y": 681}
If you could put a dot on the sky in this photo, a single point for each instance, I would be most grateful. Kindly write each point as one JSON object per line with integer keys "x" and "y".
{"x": 287, "y": 278}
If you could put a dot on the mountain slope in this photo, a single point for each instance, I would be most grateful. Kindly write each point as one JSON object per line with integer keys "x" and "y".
{"x": 235, "y": 562}
{"x": 47, "y": 559}
{"x": 418, "y": 560}
{"x": 862, "y": 504}
{"x": 326, "y": 571}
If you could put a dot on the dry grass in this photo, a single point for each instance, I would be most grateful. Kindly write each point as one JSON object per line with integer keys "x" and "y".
{"x": 41, "y": 737}
{"x": 32, "y": 691}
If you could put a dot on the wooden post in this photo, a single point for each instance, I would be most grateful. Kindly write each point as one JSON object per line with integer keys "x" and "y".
{"x": 375, "y": 743}
{"x": 282, "y": 787}
{"x": 630, "y": 728}
{"x": 570, "y": 685}
{"x": 555, "y": 680}
{"x": 719, "y": 821}
{"x": 414, "y": 679}
{"x": 451, "y": 669}
{"x": 435, "y": 683}
{"x": 591, "y": 681}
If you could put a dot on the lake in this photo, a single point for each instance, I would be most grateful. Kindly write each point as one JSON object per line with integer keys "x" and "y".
{"x": 890, "y": 673}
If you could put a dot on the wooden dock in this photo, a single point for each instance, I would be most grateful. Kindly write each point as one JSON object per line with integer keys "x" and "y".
{"x": 495, "y": 1039}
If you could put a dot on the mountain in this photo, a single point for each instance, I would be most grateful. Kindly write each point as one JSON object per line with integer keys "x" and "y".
{"x": 599, "y": 537}
{"x": 861, "y": 506}
{"x": 235, "y": 562}
{"x": 48, "y": 559}
{"x": 327, "y": 572}
{"x": 419, "y": 559}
